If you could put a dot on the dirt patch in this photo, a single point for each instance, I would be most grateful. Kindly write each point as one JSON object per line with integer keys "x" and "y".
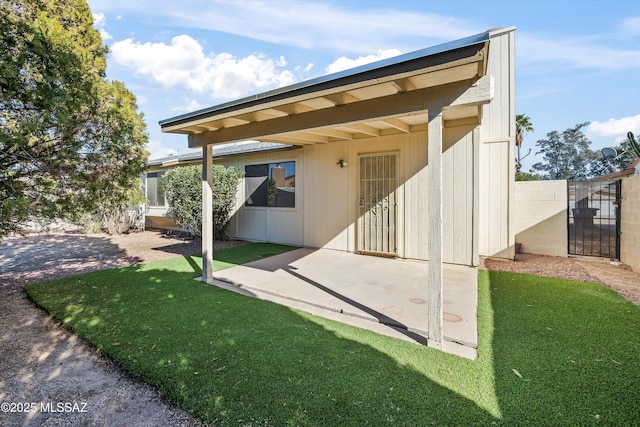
{"x": 618, "y": 277}
{"x": 43, "y": 364}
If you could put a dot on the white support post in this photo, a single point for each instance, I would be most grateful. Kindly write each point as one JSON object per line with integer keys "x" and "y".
{"x": 207, "y": 213}
{"x": 434, "y": 221}
{"x": 475, "y": 247}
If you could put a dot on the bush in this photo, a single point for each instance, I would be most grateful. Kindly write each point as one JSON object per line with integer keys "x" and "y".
{"x": 183, "y": 192}
{"x": 117, "y": 213}
{"x": 524, "y": 176}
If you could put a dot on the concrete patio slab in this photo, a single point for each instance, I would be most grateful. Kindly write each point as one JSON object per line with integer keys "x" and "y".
{"x": 382, "y": 294}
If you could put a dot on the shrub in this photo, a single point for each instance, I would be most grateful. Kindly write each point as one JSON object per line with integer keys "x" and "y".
{"x": 183, "y": 192}
{"x": 116, "y": 213}
{"x": 524, "y": 176}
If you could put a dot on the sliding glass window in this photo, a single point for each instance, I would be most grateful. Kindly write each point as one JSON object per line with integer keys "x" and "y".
{"x": 271, "y": 185}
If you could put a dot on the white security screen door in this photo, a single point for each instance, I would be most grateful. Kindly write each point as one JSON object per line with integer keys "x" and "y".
{"x": 377, "y": 203}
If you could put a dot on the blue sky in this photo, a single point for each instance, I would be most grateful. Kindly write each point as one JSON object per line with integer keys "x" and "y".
{"x": 576, "y": 61}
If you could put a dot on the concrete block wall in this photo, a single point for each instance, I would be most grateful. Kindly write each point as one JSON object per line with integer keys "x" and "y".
{"x": 541, "y": 217}
{"x": 630, "y": 224}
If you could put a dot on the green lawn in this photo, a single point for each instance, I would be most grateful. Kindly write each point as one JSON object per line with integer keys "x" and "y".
{"x": 552, "y": 352}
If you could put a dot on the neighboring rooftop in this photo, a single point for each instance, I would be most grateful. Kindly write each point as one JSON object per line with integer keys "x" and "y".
{"x": 225, "y": 150}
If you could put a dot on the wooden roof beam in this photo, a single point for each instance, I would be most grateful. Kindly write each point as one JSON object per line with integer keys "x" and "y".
{"x": 233, "y": 121}
{"x": 287, "y": 139}
{"x": 351, "y": 116}
{"x": 333, "y": 133}
{"x": 398, "y": 124}
{"x": 342, "y": 98}
{"x": 362, "y": 128}
{"x": 293, "y": 108}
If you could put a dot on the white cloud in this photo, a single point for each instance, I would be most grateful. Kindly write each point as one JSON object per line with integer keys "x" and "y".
{"x": 617, "y": 128}
{"x": 184, "y": 63}
{"x": 360, "y": 27}
{"x": 189, "y": 106}
{"x": 344, "y": 63}
{"x": 158, "y": 151}
{"x": 141, "y": 100}
{"x": 313, "y": 24}
{"x": 99, "y": 21}
{"x": 576, "y": 53}
{"x": 631, "y": 25}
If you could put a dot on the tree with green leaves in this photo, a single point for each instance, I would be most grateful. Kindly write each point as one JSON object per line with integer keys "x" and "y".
{"x": 566, "y": 155}
{"x": 183, "y": 192}
{"x": 70, "y": 141}
{"x": 523, "y": 125}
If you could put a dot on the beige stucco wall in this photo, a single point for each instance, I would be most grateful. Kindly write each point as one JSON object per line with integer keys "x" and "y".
{"x": 541, "y": 217}
{"x": 630, "y": 226}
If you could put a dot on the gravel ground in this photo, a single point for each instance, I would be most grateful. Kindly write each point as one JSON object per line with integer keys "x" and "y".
{"x": 618, "y": 277}
{"x": 42, "y": 363}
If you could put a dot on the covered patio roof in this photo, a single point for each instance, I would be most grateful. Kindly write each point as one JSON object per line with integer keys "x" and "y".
{"x": 382, "y": 98}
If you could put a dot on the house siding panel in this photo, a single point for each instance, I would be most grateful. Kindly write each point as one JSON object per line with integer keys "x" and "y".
{"x": 458, "y": 195}
{"x": 327, "y": 219}
{"x": 327, "y": 202}
{"x": 275, "y": 225}
{"x": 497, "y": 169}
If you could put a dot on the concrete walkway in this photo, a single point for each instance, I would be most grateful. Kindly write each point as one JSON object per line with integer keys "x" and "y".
{"x": 385, "y": 295}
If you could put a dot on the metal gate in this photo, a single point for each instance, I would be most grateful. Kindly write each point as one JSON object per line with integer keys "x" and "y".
{"x": 594, "y": 218}
{"x": 378, "y": 204}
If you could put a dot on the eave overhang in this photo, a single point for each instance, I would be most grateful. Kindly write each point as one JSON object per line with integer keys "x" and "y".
{"x": 381, "y": 98}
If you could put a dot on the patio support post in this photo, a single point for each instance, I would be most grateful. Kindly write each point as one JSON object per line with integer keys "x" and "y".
{"x": 207, "y": 213}
{"x": 434, "y": 221}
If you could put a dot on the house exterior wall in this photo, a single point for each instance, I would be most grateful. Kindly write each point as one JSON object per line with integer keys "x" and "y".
{"x": 267, "y": 224}
{"x": 541, "y": 217}
{"x": 630, "y": 226}
{"x": 326, "y": 210}
{"x": 497, "y": 139}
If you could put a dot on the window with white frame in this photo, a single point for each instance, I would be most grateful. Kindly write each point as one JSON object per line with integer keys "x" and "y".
{"x": 155, "y": 189}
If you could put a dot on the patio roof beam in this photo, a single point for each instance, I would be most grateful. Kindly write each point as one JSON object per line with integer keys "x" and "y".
{"x": 332, "y": 133}
{"x": 398, "y": 124}
{"x": 396, "y": 105}
{"x": 342, "y": 98}
{"x": 303, "y": 138}
{"x": 362, "y": 128}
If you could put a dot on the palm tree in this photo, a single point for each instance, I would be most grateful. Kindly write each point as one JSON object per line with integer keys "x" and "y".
{"x": 523, "y": 125}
